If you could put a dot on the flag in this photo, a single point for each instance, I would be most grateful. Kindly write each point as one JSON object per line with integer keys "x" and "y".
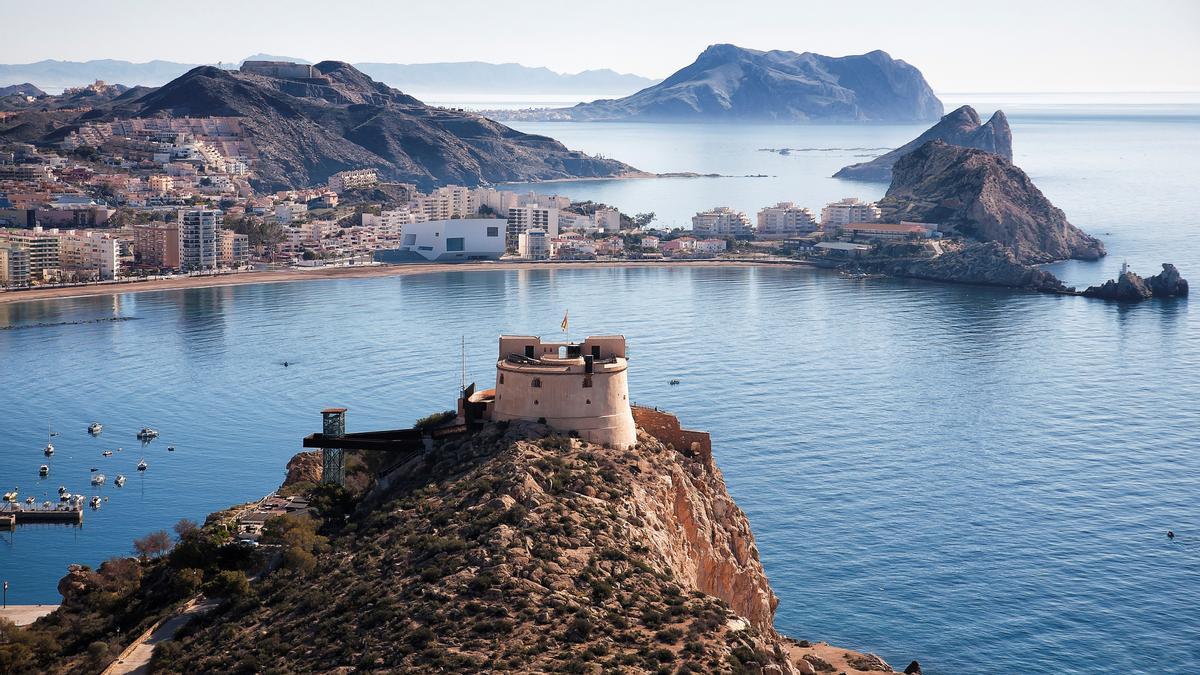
{"x": 564, "y": 321}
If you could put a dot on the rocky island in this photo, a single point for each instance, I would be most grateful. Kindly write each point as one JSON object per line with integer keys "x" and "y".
{"x": 477, "y": 541}
{"x": 731, "y": 83}
{"x": 1131, "y": 287}
{"x": 961, "y": 127}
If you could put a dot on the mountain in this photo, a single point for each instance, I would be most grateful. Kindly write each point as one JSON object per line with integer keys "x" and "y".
{"x": 961, "y": 127}
{"x": 303, "y": 131}
{"x": 728, "y": 83}
{"x": 983, "y": 197}
{"x": 511, "y": 78}
{"x": 23, "y": 89}
{"x": 464, "y": 77}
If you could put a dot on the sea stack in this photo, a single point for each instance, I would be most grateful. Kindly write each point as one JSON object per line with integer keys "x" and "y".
{"x": 1131, "y": 287}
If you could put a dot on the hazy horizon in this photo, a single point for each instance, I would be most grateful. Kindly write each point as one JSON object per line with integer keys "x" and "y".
{"x": 1018, "y": 46}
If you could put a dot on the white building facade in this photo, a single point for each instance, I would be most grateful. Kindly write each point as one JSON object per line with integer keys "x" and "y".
{"x": 785, "y": 219}
{"x": 849, "y": 210}
{"x": 721, "y": 221}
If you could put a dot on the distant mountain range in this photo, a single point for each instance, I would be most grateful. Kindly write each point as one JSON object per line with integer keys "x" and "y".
{"x": 731, "y": 83}
{"x": 961, "y": 127}
{"x": 303, "y": 131}
{"x": 463, "y": 77}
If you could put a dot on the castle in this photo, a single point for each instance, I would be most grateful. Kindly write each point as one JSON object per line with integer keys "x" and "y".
{"x": 579, "y": 387}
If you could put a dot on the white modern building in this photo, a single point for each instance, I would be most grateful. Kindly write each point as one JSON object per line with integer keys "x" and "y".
{"x": 533, "y": 245}
{"x": 290, "y": 212}
{"x": 499, "y": 201}
{"x": 608, "y": 220}
{"x": 97, "y": 253}
{"x": 785, "y": 219}
{"x": 849, "y": 210}
{"x": 455, "y": 240}
{"x": 721, "y": 221}
{"x": 199, "y": 240}
{"x": 350, "y": 180}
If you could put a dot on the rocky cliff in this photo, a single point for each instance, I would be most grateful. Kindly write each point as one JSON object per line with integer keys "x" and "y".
{"x": 983, "y": 197}
{"x": 961, "y": 127}
{"x": 305, "y": 130}
{"x": 731, "y": 83}
{"x": 516, "y": 550}
{"x": 1129, "y": 286}
{"x": 987, "y": 264}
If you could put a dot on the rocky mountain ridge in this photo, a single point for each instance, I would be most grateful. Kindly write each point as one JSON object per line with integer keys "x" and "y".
{"x": 306, "y": 130}
{"x": 961, "y": 127}
{"x": 731, "y": 83}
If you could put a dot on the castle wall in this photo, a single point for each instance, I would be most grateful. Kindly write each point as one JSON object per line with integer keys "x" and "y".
{"x": 665, "y": 427}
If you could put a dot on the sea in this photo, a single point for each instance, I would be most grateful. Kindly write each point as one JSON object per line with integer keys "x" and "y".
{"x": 977, "y": 478}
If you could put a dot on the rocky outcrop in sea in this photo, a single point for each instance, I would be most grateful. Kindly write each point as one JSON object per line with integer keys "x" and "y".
{"x": 1131, "y": 287}
{"x": 986, "y": 198}
{"x": 988, "y": 264}
{"x": 961, "y": 127}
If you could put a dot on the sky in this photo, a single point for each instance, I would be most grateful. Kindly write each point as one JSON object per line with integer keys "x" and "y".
{"x": 993, "y": 46}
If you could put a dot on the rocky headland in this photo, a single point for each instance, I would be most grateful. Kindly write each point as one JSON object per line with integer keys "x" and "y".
{"x": 961, "y": 127}
{"x": 1128, "y": 286}
{"x": 510, "y": 549}
{"x": 731, "y": 83}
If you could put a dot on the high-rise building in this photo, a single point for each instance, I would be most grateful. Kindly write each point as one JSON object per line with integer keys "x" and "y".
{"x": 42, "y": 247}
{"x": 721, "y": 221}
{"x": 522, "y": 219}
{"x": 14, "y": 264}
{"x": 198, "y": 239}
{"x": 97, "y": 254}
{"x": 533, "y": 245}
{"x": 785, "y": 219}
{"x": 235, "y": 248}
{"x": 156, "y": 245}
{"x": 849, "y": 210}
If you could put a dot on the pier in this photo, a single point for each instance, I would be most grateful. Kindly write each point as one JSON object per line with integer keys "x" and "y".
{"x": 18, "y": 516}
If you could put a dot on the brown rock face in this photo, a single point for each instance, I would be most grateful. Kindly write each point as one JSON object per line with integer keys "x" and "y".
{"x": 989, "y": 264}
{"x": 1131, "y": 287}
{"x": 984, "y": 197}
{"x": 304, "y": 467}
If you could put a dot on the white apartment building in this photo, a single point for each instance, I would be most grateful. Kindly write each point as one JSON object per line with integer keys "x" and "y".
{"x": 14, "y": 264}
{"x": 531, "y": 216}
{"x": 557, "y": 201}
{"x": 849, "y": 210}
{"x": 388, "y": 225}
{"x": 41, "y": 248}
{"x": 97, "y": 253}
{"x": 351, "y": 180}
{"x": 499, "y": 201}
{"x": 785, "y": 219}
{"x": 235, "y": 248}
{"x": 533, "y": 245}
{"x": 608, "y": 220}
{"x": 721, "y": 221}
{"x": 445, "y": 203}
{"x": 199, "y": 247}
{"x": 289, "y": 212}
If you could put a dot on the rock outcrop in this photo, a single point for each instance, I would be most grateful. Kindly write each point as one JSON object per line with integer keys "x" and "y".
{"x": 1131, "y": 287}
{"x": 513, "y": 549}
{"x": 988, "y": 264}
{"x": 983, "y": 197}
{"x": 304, "y": 467}
{"x": 731, "y": 83}
{"x": 304, "y": 130}
{"x": 960, "y": 127}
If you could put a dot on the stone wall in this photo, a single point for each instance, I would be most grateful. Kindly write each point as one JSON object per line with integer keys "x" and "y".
{"x": 665, "y": 427}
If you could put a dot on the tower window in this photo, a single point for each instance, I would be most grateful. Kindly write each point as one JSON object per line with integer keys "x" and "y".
{"x": 587, "y": 382}
{"x": 501, "y": 379}
{"x": 537, "y": 383}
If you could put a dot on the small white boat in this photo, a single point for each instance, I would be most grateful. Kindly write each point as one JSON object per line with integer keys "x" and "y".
{"x": 62, "y": 489}
{"x": 98, "y": 479}
{"x": 119, "y": 480}
{"x": 147, "y": 434}
{"x": 66, "y": 497}
{"x": 95, "y": 428}
{"x": 44, "y": 470}
{"x": 30, "y": 500}
{"x": 142, "y": 465}
{"x": 107, "y": 453}
{"x": 10, "y": 496}
{"x": 95, "y": 502}
{"x": 49, "y": 449}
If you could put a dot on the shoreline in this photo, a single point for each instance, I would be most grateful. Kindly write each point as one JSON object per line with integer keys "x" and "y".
{"x": 351, "y": 272}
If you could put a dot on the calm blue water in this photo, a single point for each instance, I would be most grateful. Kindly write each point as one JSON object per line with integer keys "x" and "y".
{"x": 967, "y": 476}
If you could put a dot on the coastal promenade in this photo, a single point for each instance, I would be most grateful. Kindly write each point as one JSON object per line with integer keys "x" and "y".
{"x": 357, "y": 272}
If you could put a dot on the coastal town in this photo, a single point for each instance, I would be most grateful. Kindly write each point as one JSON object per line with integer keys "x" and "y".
{"x": 146, "y": 198}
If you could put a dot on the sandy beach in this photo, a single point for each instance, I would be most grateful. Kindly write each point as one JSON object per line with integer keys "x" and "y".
{"x": 352, "y": 272}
